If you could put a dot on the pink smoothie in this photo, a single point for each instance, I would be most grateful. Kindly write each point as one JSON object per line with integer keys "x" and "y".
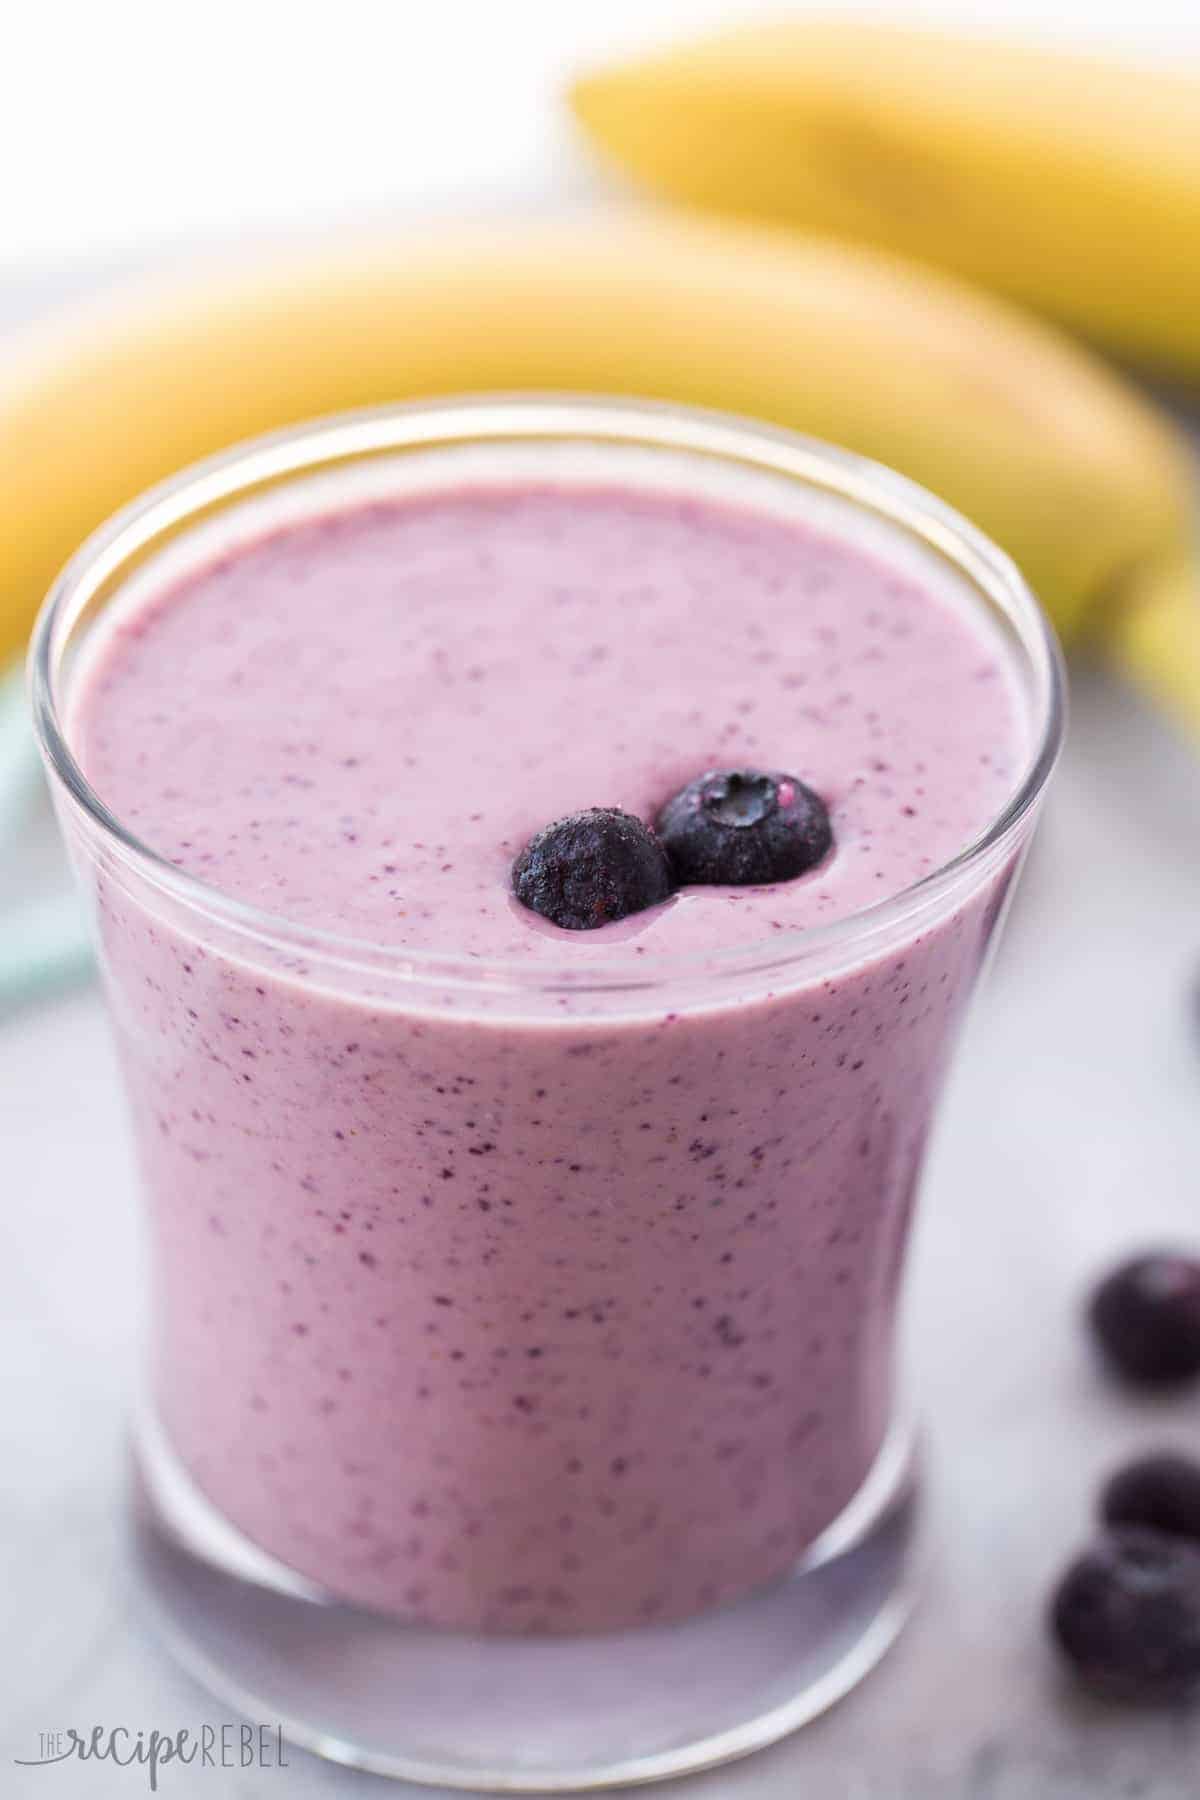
{"x": 572, "y": 1311}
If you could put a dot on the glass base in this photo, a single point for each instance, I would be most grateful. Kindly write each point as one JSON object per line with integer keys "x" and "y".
{"x": 519, "y": 1714}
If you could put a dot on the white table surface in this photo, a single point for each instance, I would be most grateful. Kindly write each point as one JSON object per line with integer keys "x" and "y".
{"x": 1072, "y": 1131}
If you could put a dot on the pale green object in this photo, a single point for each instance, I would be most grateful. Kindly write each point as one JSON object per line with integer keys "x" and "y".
{"x": 19, "y": 765}
{"x": 43, "y": 945}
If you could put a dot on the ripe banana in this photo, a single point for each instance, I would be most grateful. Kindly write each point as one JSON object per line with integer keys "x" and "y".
{"x": 1055, "y": 456}
{"x": 1063, "y": 181}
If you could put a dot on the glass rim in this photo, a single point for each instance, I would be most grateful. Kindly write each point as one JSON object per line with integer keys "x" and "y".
{"x": 265, "y": 462}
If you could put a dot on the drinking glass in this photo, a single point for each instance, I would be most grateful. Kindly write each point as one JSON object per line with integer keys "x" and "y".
{"x": 321, "y": 1530}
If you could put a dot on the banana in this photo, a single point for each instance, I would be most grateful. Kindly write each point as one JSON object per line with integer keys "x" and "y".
{"x": 1066, "y": 182}
{"x": 1055, "y": 456}
{"x": 1157, "y": 642}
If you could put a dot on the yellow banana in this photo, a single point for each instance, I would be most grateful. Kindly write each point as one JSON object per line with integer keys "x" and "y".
{"x": 1054, "y": 455}
{"x": 1063, "y": 181}
{"x": 1157, "y": 642}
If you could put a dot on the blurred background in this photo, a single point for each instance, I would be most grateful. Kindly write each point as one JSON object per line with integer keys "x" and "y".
{"x": 135, "y": 127}
{"x": 137, "y": 137}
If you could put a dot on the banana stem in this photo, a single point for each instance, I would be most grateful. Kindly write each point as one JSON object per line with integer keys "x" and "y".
{"x": 1155, "y": 639}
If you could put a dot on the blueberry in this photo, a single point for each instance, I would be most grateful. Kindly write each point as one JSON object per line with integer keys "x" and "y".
{"x": 1146, "y": 1318}
{"x": 737, "y": 827}
{"x": 1161, "y": 1491}
{"x": 591, "y": 868}
{"x": 1126, "y": 1615}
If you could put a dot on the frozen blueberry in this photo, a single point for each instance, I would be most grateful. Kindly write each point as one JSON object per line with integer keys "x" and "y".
{"x": 1160, "y": 1491}
{"x": 1146, "y": 1318}
{"x": 737, "y": 827}
{"x": 591, "y": 868}
{"x": 1126, "y": 1615}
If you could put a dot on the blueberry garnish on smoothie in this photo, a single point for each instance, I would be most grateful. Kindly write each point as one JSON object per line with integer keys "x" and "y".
{"x": 744, "y": 827}
{"x": 591, "y": 869}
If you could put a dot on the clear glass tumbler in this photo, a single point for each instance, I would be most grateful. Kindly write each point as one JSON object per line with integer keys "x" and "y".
{"x": 323, "y": 1544}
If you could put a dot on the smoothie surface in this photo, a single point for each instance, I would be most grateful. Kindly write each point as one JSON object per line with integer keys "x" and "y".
{"x": 357, "y": 721}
